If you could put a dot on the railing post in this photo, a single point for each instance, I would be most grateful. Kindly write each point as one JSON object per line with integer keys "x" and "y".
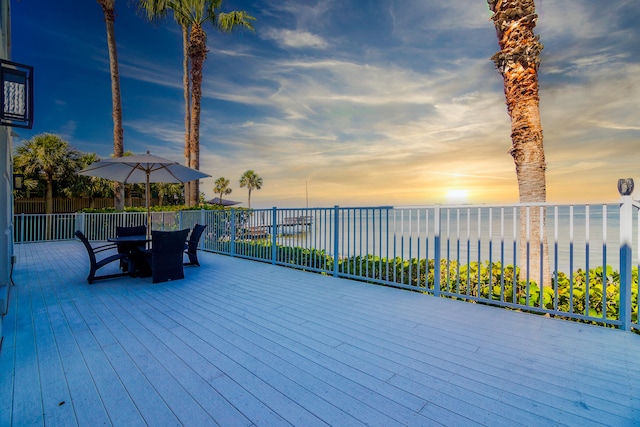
{"x": 80, "y": 223}
{"x": 202, "y": 217}
{"x": 232, "y": 231}
{"x": 22, "y": 225}
{"x": 436, "y": 251}
{"x": 274, "y": 232}
{"x": 336, "y": 238}
{"x": 626, "y": 239}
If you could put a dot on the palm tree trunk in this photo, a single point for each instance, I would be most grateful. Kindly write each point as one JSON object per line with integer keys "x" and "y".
{"x": 118, "y": 134}
{"x": 197, "y": 54}
{"x": 187, "y": 107}
{"x": 518, "y": 62}
{"x": 48, "y": 207}
{"x": 48, "y": 201}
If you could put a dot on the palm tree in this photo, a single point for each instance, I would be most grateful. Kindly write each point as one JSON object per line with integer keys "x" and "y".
{"x": 252, "y": 181}
{"x": 156, "y": 9}
{"x": 89, "y": 186}
{"x": 518, "y": 61}
{"x": 48, "y": 157}
{"x": 196, "y": 13}
{"x": 222, "y": 188}
{"x": 167, "y": 192}
{"x": 108, "y": 8}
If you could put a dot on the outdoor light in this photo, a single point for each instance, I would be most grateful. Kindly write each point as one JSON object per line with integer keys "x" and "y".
{"x": 625, "y": 186}
{"x": 16, "y": 89}
{"x": 18, "y": 181}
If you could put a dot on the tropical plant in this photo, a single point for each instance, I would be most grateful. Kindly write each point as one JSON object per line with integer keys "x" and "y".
{"x": 222, "y": 188}
{"x": 29, "y": 185}
{"x": 168, "y": 193}
{"x": 47, "y": 157}
{"x": 196, "y": 13}
{"x": 569, "y": 298}
{"x": 252, "y": 181}
{"x": 518, "y": 61}
{"x": 88, "y": 186}
{"x": 108, "y": 8}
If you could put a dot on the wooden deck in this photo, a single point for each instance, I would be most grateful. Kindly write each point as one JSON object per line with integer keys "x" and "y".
{"x": 242, "y": 343}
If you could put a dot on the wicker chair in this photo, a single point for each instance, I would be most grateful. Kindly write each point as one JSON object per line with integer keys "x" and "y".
{"x": 191, "y": 247}
{"x": 165, "y": 256}
{"x": 95, "y": 264}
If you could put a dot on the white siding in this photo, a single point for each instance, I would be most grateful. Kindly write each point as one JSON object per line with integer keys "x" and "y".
{"x": 6, "y": 176}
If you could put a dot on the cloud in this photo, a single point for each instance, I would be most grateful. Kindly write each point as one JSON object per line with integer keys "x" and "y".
{"x": 67, "y": 130}
{"x": 143, "y": 70}
{"x": 295, "y": 39}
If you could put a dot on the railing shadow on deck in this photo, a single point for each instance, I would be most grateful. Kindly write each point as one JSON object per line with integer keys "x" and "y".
{"x": 465, "y": 252}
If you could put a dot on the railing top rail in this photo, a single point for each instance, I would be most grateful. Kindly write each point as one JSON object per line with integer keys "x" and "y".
{"x": 508, "y": 205}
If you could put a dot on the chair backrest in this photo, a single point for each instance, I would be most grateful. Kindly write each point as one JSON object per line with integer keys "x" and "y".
{"x": 138, "y": 230}
{"x": 166, "y": 255}
{"x": 168, "y": 242}
{"x": 92, "y": 256}
{"x": 194, "y": 238}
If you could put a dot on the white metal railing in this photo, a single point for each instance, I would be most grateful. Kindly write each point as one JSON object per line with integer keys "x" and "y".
{"x": 36, "y": 205}
{"x": 466, "y": 252}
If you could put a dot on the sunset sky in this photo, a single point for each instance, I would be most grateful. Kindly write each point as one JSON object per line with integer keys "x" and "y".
{"x": 355, "y": 103}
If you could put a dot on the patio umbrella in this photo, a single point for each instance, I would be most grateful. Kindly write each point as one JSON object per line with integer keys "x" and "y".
{"x": 142, "y": 168}
{"x": 225, "y": 202}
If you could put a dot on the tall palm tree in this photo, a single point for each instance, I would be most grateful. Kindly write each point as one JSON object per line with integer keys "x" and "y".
{"x": 518, "y": 61}
{"x": 196, "y": 13}
{"x": 222, "y": 188}
{"x": 252, "y": 181}
{"x": 154, "y": 10}
{"x": 48, "y": 157}
{"x": 108, "y": 8}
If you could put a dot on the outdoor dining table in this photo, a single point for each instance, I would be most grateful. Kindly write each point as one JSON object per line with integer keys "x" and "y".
{"x": 137, "y": 265}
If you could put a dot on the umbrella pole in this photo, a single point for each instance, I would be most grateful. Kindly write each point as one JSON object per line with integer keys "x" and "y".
{"x": 148, "y": 199}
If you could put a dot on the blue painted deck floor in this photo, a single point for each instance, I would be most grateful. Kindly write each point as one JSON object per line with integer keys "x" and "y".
{"x": 242, "y": 343}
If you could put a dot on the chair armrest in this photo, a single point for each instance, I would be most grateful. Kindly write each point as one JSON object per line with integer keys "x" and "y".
{"x": 102, "y": 248}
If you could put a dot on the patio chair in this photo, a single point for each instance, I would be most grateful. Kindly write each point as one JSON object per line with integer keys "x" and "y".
{"x": 191, "y": 247}
{"x": 95, "y": 264}
{"x": 165, "y": 256}
{"x": 124, "y": 248}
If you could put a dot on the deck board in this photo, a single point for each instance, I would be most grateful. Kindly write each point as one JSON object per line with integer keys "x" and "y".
{"x": 251, "y": 344}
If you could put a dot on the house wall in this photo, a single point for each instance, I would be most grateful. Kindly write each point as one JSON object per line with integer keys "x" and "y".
{"x": 6, "y": 177}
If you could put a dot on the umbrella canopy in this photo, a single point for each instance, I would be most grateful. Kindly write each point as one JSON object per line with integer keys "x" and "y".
{"x": 225, "y": 202}
{"x": 142, "y": 168}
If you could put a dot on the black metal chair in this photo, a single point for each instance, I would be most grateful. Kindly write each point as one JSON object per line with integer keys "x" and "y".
{"x": 191, "y": 247}
{"x": 127, "y": 249}
{"x": 166, "y": 255}
{"x": 95, "y": 264}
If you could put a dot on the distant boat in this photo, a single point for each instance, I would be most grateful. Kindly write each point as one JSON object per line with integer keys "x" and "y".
{"x": 225, "y": 202}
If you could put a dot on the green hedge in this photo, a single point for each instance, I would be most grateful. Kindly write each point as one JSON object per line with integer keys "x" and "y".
{"x": 479, "y": 281}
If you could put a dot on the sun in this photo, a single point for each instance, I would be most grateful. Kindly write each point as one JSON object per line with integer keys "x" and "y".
{"x": 456, "y": 195}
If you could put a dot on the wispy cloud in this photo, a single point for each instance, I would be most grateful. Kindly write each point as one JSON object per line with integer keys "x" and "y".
{"x": 294, "y": 38}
